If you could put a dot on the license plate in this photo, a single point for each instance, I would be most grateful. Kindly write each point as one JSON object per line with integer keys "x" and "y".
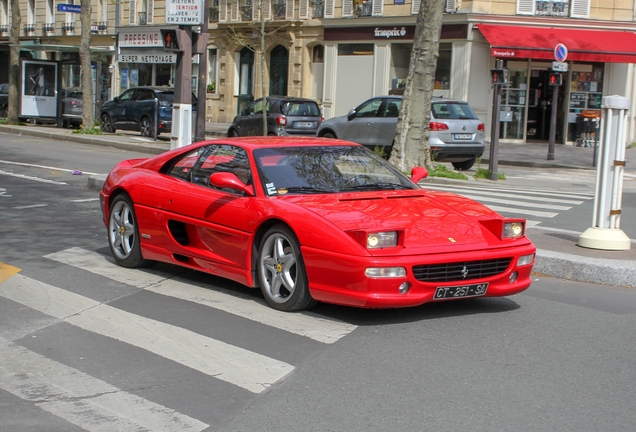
{"x": 304, "y": 124}
{"x": 475, "y": 290}
{"x": 463, "y": 136}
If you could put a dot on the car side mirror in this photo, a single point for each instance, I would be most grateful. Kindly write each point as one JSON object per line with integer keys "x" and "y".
{"x": 351, "y": 115}
{"x": 116, "y": 99}
{"x": 229, "y": 180}
{"x": 418, "y": 173}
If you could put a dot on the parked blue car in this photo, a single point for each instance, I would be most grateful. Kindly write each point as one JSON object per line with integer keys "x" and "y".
{"x": 134, "y": 110}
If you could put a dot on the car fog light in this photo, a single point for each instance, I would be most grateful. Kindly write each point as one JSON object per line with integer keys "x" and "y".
{"x": 525, "y": 260}
{"x": 385, "y": 272}
{"x": 404, "y": 287}
{"x": 513, "y": 277}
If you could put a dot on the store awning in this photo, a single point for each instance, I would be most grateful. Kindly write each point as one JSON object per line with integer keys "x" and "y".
{"x": 507, "y": 41}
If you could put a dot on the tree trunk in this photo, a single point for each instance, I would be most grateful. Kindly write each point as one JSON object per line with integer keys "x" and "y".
{"x": 14, "y": 63}
{"x": 88, "y": 115}
{"x": 411, "y": 147}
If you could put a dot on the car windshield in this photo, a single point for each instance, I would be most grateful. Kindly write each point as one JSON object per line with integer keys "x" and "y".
{"x": 326, "y": 169}
{"x": 306, "y": 109}
{"x": 452, "y": 110}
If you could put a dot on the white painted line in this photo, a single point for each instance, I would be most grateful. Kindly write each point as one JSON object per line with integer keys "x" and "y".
{"x": 316, "y": 328}
{"x": 238, "y": 366}
{"x": 82, "y": 400}
{"x": 84, "y": 200}
{"x": 30, "y": 206}
{"x": 526, "y": 195}
{"x": 523, "y": 211}
{"x": 44, "y": 166}
{"x": 489, "y": 198}
{"x": 41, "y": 180}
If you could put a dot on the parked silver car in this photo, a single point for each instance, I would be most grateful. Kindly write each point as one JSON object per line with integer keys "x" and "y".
{"x": 456, "y": 133}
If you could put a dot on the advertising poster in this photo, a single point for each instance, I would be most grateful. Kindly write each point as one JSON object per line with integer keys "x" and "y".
{"x": 124, "y": 78}
{"x": 134, "y": 77}
{"x": 39, "y": 80}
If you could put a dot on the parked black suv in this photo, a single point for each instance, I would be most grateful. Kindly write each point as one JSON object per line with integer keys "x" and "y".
{"x": 134, "y": 110}
{"x": 285, "y": 116}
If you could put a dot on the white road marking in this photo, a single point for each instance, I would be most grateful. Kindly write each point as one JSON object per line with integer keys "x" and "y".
{"x": 316, "y": 328}
{"x": 238, "y": 366}
{"x": 84, "y": 200}
{"x": 522, "y": 211}
{"x": 519, "y": 194}
{"x": 30, "y": 206}
{"x": 38, "y": 179}
{"x": 44, "y": 167}
{"x": 82, "y": 400}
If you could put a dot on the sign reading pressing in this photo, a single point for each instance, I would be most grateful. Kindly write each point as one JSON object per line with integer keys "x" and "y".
{"x": 184, "y": 12}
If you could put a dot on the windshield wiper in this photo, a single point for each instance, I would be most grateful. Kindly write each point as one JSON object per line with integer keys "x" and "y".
{"x": 377, "y": 186}
{"x": 307, "y": 189}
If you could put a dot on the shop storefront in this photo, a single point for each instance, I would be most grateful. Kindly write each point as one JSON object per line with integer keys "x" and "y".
{"x": 380, "y": 57}
{"x": 598, "y": 63}
{"x": 142, "y": 61}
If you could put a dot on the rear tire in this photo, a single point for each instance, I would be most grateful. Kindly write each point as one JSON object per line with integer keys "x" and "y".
{"x": 329, "y": 135}
{"x": 232, "y": 133}
{"x": 465, "y": 165}
{"x": 146, "y": 128}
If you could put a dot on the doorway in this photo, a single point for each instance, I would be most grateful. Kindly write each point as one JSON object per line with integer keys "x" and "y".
{"x": 279, "y": 63}
{"x": 540, "y": 107}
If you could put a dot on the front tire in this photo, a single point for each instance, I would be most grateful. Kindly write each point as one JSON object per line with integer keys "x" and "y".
{"x": 232, "y": 133}
{"x": 107, "y": 124}
{"x": 146, "y": 127}
{"x": 123, "y": 233}
{"x": 281, "y": 271}
{"x": 465, "y": 165}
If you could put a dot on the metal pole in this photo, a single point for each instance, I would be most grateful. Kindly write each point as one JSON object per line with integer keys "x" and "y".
{"x": 553, "y": 118}
{"x": 494, "y": 134}
{"x": 155, "y": 120}
{"x": 199, "y": 133}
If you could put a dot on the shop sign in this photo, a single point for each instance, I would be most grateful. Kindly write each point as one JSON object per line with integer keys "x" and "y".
{"x": 184, "y": 12}
{"x": 146, "y": 57}
{"x": 147, "y": 38}
{"x": 390, "y": 33}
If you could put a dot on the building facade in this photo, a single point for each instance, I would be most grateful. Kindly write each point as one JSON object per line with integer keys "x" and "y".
{"x": 341, "y": 52}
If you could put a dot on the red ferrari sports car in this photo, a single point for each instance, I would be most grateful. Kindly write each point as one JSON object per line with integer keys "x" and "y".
{"x": 311, "y": 219}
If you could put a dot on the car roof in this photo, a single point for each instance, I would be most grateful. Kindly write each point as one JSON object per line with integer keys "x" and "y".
{"x": 289, "y": 98}
{"x": 434, "y": 99}
{"x": 256, "y": 142}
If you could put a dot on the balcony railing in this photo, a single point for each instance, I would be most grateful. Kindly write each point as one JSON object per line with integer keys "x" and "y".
{"x": 48, "y": 29}
{"x": 68, "y": 29}
{"x": 29, "y": 29}
{"x": 142, "y": 18}
{"x": 102, "y": 26}
{"x": 551, "y": 8}
{"x": 279, "y": 9}
{"x": 246, "y": 11}
{"x": 318, "y": 9}
{"x": 364, "y": 9}
{"x": 213, "y": 14}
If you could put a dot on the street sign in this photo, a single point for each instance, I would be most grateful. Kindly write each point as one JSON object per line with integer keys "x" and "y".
{"x": 173, "y": 39}
{"x": 559, "y": 67}
{"x": 69, "y": 8}
{"x": 556, "y": 79}
{"x": 560, "y": 52}
{"x": 184, "y": 12}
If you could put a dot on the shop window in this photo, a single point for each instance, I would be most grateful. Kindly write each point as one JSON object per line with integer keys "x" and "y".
{"x": 514, "y": 98}
{"x": 559, "y": 8}
{"x": 443, "y": 71}
{"x": 584, "y": 109}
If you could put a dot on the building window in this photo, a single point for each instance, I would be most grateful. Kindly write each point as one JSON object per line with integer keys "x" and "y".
{"x": 556, "y": 8}
{"x": 355, "y": 49}
{"x": 213, "y": 70}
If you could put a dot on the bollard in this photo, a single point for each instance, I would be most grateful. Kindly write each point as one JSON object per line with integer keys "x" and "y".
{"x": 605, "y": 232}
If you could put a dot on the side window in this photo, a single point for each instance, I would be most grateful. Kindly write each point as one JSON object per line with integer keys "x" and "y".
{"x": 144, "y": 94}
{"x": 392, "y": 108}
{"x": 257, "y": 107}
{"x": 369, "y": 109}
{"x": 4, "y": 89}
{"x": 127, "y": 95}
{"x": 197, "y": 166}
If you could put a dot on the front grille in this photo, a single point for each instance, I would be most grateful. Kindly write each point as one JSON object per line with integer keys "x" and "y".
{"x": 460, "y": 271}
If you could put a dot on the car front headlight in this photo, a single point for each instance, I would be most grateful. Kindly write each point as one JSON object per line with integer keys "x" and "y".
{"x": 513, "y": 230}
{"x": 382, "y": 240}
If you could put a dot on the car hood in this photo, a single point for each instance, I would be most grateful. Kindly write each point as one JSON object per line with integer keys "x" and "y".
{"x": 426, "y": 218}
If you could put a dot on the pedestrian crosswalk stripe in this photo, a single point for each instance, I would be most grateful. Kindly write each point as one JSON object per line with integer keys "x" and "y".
{"x": 535, "y": 213}
{"x": 547, "y": 196}
{"x": 316, "y": 328}
{"x": 82, "y": 400}
{"x": 490, "y": 198}
{"x": 238, "y": 366}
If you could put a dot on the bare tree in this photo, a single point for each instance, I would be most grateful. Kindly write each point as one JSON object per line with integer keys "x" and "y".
{"x": 411, "y": 147}
{"x": 255, "y": 41}
{"x": 14, "y": 62}
{"x": 88, "y": 115}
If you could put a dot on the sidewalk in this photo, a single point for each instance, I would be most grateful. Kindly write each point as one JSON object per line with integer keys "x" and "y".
{"x": 557, "y": 252}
